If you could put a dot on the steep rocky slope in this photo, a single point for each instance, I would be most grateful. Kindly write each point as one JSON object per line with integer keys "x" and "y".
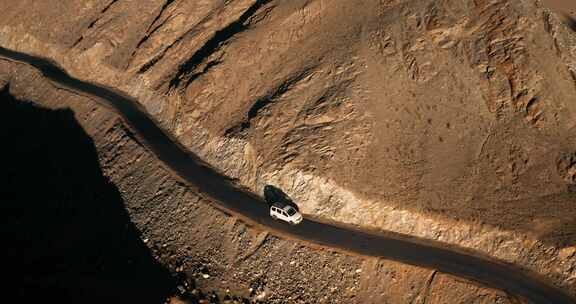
{"x": 370, "y": 113}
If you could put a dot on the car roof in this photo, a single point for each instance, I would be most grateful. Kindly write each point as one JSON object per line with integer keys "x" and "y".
{"x": 280, "y": 205}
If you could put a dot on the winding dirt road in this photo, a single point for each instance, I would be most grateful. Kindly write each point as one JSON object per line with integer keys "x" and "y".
{"x": 252, "y": 209}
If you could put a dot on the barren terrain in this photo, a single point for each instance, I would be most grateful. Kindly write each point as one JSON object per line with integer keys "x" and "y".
{"x": 448, "y": 120}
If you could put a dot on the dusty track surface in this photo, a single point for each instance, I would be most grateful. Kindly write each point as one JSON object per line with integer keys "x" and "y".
{"x": 192, "y": 170}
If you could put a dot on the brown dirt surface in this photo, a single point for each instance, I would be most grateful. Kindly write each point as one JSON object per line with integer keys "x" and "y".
{"x": 452, "y": 120}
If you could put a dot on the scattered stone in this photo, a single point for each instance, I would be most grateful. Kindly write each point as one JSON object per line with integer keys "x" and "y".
{"x": 566, "y": 253}
{"x": 261, "y": 296}
{"x": 181, "y": 289}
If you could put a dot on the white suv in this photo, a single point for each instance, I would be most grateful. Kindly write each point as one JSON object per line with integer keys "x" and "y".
{"x": 285, "y": 213}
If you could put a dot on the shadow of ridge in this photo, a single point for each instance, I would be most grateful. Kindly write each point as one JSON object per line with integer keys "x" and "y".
{"x": 274, "y": 194}
{"x": 66, "y": 234}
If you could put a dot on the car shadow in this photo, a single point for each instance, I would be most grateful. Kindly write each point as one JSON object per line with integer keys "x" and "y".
{"x": 274, "y": 194}
{"x": 569, "y": 21}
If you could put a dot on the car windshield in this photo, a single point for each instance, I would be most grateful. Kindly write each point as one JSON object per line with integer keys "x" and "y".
{"x": 291, "y": 211}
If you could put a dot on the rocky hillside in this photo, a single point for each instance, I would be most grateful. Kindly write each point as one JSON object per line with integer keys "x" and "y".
{"x": 371, "y": 113}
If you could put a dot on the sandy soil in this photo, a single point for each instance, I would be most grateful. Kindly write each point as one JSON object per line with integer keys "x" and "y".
{"x": 564, "y": 6}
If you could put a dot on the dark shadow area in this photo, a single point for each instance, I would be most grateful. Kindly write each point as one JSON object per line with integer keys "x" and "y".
{"x": 185, "y": 71}
{"x": 570, "y": 22}
{"x": 273, "y": 194}
{"x": 66, "y": 235}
